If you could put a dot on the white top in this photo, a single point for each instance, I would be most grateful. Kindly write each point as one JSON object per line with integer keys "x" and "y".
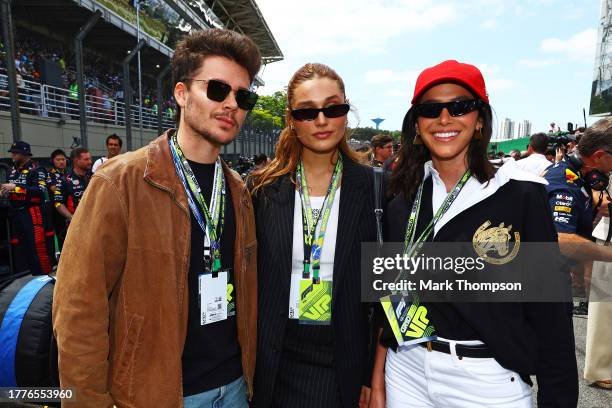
{"x": 473, "y": 191}
{"x": 535, "y": 163}
{"x": 97, "y": 164}
{"x": 329, "y": 243}
{"x": 326, "y": 271}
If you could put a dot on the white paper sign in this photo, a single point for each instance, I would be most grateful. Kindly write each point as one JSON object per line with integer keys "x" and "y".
{"x": 601, "y": 231}
{"x": 294, "y": 296}
{"x": 213, "y": 298}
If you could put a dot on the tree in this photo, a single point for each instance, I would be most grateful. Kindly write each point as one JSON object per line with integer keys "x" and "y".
{"x": 366, "y": 133}
{"x": 274, "y": 105}
{"x": 264, "y": 119}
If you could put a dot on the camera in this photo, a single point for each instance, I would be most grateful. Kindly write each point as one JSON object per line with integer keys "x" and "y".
{"x": 556, "y": 140}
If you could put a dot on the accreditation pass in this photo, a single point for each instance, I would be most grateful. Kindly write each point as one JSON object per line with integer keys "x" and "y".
{"x": 213, "y": 297}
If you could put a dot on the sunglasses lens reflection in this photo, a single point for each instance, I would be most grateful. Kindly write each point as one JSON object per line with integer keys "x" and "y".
{"x": 217, "y": 91}
{"x": 335, "y": 111}
{"x": 246, "y": 99}
{"x": 455, "y": 108}
{"x": 332, "y": 111}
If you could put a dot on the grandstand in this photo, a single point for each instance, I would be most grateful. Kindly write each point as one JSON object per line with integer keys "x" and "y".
{"x": 69, "y": 93}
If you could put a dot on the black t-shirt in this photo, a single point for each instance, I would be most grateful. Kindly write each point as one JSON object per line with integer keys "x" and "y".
{"x": 211, "y": 357}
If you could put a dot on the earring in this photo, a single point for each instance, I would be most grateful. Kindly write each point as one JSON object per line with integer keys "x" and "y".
{"x": 479, "y": 134}
{"x": 417, "y": 139}
{"x": 291, "y": 127}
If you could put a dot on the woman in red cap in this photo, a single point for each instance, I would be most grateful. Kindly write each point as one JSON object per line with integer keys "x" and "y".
{"x": 447, "y": 191}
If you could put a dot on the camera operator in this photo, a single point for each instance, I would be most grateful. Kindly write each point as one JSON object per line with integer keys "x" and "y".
{"x": 551, "y": 156}
{"x": 571, "y": 182}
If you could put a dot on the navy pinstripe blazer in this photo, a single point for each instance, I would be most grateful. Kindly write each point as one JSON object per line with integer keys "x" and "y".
{"x": 274, "y": 206}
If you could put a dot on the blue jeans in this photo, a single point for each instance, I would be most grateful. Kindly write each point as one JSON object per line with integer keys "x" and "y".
{"x": 232, "y": 395}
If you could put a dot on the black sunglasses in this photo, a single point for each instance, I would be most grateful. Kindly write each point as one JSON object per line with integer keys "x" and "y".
{"x": 455, "y": 108}
{"x": 331, "y": 111}
{"x": 218, "y": 90}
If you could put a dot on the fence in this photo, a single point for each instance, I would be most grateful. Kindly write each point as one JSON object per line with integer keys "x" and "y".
{"x": 50, "y": 101}
{"x": 255, "y": 137}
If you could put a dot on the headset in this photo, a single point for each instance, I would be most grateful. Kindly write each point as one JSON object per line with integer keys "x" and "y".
{"x": 595, "y": 179}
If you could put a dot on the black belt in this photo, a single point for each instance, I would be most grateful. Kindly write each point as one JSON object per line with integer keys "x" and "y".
{"x": 474, "y": 351}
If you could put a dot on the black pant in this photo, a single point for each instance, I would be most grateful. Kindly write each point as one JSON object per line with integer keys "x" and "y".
{"x": 28, "y": 241}
{"x": 307, "y": 375}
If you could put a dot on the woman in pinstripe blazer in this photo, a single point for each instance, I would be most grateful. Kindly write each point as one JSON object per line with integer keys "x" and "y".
{"x": 312, "y": 365}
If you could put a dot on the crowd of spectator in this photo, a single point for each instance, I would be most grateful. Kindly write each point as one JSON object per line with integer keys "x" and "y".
{"x": 103, "y": 83}
{"x": 552, "y": 145}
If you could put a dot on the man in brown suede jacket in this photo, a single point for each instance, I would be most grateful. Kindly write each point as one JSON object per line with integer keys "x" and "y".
{"x": 156, "y": 294}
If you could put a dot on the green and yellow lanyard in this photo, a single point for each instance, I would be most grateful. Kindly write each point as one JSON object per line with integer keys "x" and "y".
{"x": 412, "y": 247}
{"x": 413, "y": 318}
{"x": 312, "y": 248}
{"x": 211, "y": 221}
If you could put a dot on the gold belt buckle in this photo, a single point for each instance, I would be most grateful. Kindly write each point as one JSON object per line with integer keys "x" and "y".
{"x": 429, "y": 346}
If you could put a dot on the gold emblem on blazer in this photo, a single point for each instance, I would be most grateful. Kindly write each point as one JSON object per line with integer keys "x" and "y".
{"x": 494, "y": 244}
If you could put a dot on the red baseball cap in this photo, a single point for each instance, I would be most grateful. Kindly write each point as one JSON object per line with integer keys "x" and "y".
{"x": 451, "y": 71}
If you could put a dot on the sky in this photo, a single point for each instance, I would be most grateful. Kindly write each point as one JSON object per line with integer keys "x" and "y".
{"x": 537, "y": 56}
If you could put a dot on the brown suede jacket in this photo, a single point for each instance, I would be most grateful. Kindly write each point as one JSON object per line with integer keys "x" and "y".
{"x": 120, "y": 305}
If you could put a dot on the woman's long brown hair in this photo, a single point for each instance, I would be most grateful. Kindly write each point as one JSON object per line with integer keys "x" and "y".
{"x": 289, "y": 147}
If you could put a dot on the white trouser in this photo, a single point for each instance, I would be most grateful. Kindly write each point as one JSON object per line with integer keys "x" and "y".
{"x": 418, "y": 378}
